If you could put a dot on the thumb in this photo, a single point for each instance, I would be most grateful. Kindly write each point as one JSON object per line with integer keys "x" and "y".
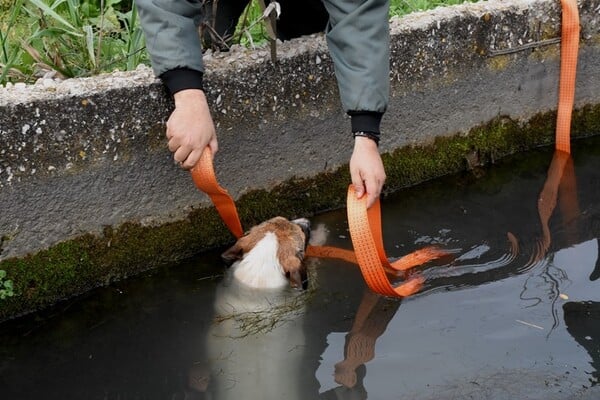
{"x": 359, "y": 187}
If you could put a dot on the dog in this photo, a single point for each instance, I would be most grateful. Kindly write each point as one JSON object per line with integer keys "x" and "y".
{"x": 271, "y": 254}
{"x": 255, "y": 345}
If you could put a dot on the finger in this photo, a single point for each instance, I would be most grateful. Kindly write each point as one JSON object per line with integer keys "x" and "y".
{"x": 192, "y": 159}
{"x": 181, "y": 154}
{"x": 169, "y": 132}
{"x": 173, "y": 144}
{"x": 373, "y": 190}
{"x": 357, "y": 182}
{"x": 371, "y": 198}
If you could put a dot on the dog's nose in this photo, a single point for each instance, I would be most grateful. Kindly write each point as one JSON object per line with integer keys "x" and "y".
{"x": 305, "y": 225}
{"x": 303, "y": 222}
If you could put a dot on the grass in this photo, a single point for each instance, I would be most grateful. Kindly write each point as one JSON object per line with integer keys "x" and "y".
{"x": 403, "y": 7}
{"x": 68, "y": 38}
{"x": 74, "y": 38}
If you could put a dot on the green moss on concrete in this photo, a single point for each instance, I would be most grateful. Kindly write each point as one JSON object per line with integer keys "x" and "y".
{"x": 482, "y": 146}
{"x": 89, "y": 261}
{"x": 586, "y": 121}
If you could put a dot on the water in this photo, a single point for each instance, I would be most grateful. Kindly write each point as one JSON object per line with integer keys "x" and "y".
{"x": 512, "y": 313}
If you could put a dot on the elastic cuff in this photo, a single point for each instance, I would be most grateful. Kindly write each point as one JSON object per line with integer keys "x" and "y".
{"x": 365, "y": 121}
{"x": 182, "y": 78}
{"x": 373, "y": 136}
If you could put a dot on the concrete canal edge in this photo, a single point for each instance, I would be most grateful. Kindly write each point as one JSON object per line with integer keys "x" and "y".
{"x": 89, "y": 193}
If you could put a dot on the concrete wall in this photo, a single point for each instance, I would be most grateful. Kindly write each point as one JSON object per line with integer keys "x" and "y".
{"x": 88, "y": 156}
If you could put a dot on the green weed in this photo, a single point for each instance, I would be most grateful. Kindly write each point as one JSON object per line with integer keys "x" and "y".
{"x": 69, "y": 38}
{"x": 74, "y": 38}
{"x": 6, "y": 286}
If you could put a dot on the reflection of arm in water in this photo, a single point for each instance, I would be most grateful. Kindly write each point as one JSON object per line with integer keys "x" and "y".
{"x": 372, "y": 318}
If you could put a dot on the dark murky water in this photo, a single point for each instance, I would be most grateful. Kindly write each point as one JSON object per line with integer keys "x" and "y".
{"x": 493, "y": 322}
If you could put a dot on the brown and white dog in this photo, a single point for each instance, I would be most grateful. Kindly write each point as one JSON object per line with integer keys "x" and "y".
{"x": 271, "y": 254}
{"x": 255, "y": 346}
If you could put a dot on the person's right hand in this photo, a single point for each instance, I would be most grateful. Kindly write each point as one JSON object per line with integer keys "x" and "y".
{"x": 190, "y": 128}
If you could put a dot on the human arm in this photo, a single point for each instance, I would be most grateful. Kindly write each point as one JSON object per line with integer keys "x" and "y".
{"x": 172, "y": 40}
{"x": 359, "y": 43}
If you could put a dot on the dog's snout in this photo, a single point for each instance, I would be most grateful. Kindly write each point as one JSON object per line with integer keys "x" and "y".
{"x": 303, "y": 222}
{"x": 305, "y": 225}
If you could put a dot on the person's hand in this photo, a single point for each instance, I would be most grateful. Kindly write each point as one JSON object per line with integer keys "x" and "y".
{"x": 366, "y": 169}
{"x": 190, "y": 128}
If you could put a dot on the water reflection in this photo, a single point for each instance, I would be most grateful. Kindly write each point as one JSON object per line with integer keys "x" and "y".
{"x": 522, "y": 236}
{"x": 560, "y": 186}
{"x": 581, "y": 318}
{"x": 543, "y": 283}
{"x": 582, "y": 321}
{"x": 255, "y": 345}
{"x": 371, "y": 320}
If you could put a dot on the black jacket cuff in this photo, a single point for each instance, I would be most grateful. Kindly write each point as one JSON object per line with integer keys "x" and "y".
{"x": 182, "y": 78}
{"x": 365, "y": 121}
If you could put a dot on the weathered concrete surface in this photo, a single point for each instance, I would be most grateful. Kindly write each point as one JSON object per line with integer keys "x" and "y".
{"x": 87, "y": 156}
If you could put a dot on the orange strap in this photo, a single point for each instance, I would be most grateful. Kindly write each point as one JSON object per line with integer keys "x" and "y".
{"x": 568, "y": 68}
{"x": 204, "y": 177}
{"x": 331, "y": 252}
{"x": 365, "y": 231}
{"x": 365, "y": 225}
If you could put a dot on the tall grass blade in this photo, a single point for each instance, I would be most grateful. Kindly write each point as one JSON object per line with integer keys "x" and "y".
{"x": 73, "y": 7}
{"x": 89, "y": 43}
{"x": 16, "y": 9}
{"x": 49, "y": 11}
{"x": 8, "y": 65}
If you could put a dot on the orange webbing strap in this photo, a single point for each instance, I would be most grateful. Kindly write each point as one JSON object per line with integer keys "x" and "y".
{"x": 569, "y": 47}
{"x": 414, "y": 259}
{"x": 365, "y": 232}
{"x": 204, "y": 177}
{"x": 331, "y": 252}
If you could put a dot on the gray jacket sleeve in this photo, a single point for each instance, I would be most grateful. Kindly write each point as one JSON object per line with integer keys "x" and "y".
{"x": 171, "y": 30}
{"x": 359, "y": 43}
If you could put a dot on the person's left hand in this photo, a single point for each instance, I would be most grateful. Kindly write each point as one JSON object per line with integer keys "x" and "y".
{"x": 366, "y": 169}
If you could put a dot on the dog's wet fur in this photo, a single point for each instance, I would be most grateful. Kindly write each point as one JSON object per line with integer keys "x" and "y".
{"x": 271, "y": 254}
{"x": 255, "y": 346}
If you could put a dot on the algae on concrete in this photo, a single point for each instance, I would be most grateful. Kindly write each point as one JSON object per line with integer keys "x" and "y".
{"x": 89, "y": 261}
{"x": 90, "y": 193}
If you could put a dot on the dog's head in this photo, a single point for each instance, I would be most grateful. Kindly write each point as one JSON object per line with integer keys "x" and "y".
{"x": 292, "y": 238}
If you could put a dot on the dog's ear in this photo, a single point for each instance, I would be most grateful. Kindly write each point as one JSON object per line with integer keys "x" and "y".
{"x": 242, "y": 246}
{"x": 232, "y": 254}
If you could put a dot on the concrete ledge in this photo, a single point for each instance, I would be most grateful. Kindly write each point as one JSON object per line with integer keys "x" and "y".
{"x": 89, "y": 192}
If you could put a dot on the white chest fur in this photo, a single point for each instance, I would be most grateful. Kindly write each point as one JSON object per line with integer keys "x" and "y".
{"x": 260, "y": 268}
